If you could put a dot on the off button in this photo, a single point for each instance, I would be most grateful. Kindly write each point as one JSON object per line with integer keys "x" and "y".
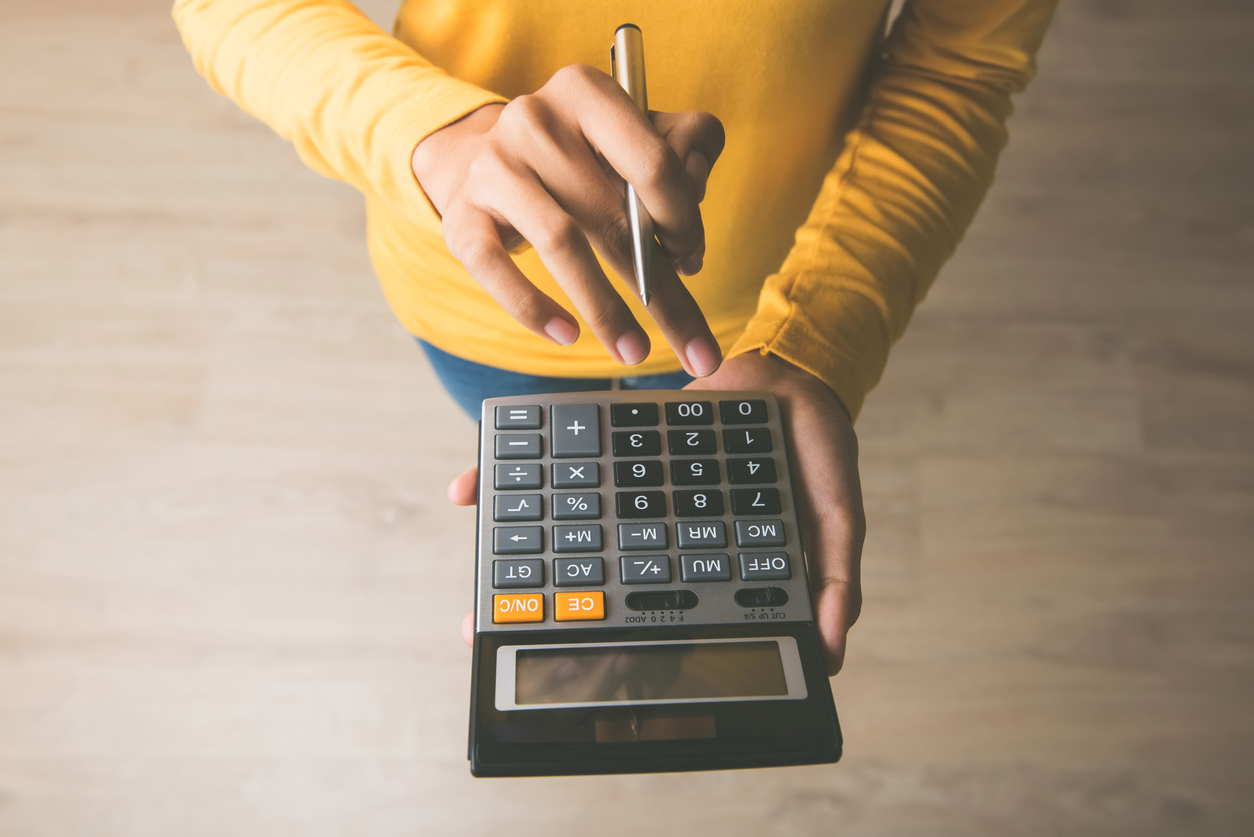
{"x": 518, "y": 607}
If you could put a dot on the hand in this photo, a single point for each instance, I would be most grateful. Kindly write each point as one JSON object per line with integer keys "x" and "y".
{"x": 828, "y": 492}
{"x": 549, "y": 168}
{"x": 825, "y": 478}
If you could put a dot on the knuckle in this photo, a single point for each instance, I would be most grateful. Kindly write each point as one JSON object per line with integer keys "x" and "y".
{"x": 576, "y": 74}
{"x": 558, "y": 234}
{"x": 475, "y": 253}
{"x": 616, "y": 235}
{"x": 523, "y": 115}
{"x": 709, "y": 126}
{"x": 527, "y": 308}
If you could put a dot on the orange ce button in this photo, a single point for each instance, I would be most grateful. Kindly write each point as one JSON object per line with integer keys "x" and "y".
{"x": 579, "y": 607}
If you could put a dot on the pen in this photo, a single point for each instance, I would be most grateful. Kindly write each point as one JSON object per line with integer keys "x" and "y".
{"x": 627, "y": 67}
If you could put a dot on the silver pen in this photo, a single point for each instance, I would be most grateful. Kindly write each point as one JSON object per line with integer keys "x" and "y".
{"x": 627, "y": 67}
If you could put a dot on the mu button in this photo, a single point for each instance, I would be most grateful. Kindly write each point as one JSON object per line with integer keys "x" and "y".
{"x": 518, "y": 607}
{"x": 578, "y": 607}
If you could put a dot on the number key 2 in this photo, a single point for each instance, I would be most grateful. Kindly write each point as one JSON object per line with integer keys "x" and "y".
{"x": 690, "y": 442}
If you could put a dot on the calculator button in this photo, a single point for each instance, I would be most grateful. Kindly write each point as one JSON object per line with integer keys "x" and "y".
{"x": 707, "y": 502}
{"x": 583, "y": 538}
{"x": 518, "y": 418}
{"x": 518, "y": 446}
{"x": 517, "y": 507}
{"x": 755, "y": 501}
{"x": 761, "y": 597}
{"x": 764, "y": 566}
{"x": 742, "y": 412}
{"x": 694, "y": 472}
{"x": 631, "y": 474}
{"x": 518, "y": 607}
{"x": 689, "y": 412}
{"x": 747, "y": 440}
{"x": 661, "y": 600}
{"x": 579, "y": 607}
{"x": 578, "y": 572}
{"x": 506, "y": 477}
{"x": 576, "y": 430}
{"x": 690, "y": 442}
{"x": 518, "y": 572}
{"x": 713, "y": 567}
{"x": 759, "y": 533}
{"x": 751, "y": 470}
{"x": 642, "y": 536}
{"x": 645, "y": 569}
{"x": 577, "y": 506}
{"x": 642, "y": 414}
{"x": 576, "y": 475}
{"x": 630, "y": 504}
{"x": 517, "y": 540}
{"x": 637, "y": 443}
{"x": 702, "y": 535}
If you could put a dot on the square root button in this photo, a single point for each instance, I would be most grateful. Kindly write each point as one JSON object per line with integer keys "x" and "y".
{"x": 764, "y": 566}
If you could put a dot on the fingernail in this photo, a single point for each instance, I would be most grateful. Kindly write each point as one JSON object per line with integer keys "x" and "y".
{"x": 561, "y": 332}
{"x": 633, "y": 347}
{"x": 703, "y": 356}
{"x": 698, "y": 169}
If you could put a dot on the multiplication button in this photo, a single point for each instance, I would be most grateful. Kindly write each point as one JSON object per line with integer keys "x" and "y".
{"x": 518, "y": 446}
{"x": 505, "y": 477}
{"x": 645, "y": 569}
{"x": 576, "y": 430}
{"x": 576, "y": 475}
{"x": 642, "y": 536}
{"x": 517, "y": 507}
{"x": 759, "y": 533}
{"x": 526, "y": 417}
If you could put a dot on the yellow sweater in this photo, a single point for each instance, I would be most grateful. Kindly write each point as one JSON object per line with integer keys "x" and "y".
{"x": 854, "y": 161}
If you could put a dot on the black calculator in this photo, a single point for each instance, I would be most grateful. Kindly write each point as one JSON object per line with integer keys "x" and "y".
{"x": 641, "y": 598}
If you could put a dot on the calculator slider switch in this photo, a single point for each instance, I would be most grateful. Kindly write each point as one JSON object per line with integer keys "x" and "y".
{"x": 761, "y": 597}
{"x": 662, "y": 600}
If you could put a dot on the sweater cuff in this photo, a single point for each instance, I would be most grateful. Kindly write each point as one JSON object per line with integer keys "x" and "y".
{"x": 846, "y": 349}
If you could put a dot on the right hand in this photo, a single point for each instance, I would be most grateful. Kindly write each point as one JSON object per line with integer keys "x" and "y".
{"x": 549, "y": 168}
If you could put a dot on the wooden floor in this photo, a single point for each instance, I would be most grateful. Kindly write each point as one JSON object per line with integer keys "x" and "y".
{"x": 230, "y": 585}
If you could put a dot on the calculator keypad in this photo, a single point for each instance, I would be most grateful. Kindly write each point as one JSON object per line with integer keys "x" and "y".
{"x": 714, "y": 471}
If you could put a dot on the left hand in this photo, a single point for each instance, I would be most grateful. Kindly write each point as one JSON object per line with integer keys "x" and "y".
{"x": 829, "y": 494}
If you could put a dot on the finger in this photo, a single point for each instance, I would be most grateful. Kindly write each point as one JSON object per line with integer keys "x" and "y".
{"x": 565, "y": 251}
{"x": 678, "y": 315}
{"x": 464, "y": 489}
{"x": 474, "y": 240}
{"x": 468, "y": 629}
{"x": 627, "y": 139}
{"x": 698, "y": 139}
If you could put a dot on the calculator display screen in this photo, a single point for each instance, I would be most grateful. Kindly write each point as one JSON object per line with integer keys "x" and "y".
{"x": 661, "y": 672}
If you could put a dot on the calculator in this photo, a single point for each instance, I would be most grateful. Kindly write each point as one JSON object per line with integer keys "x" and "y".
{"x": 641, "y": 597}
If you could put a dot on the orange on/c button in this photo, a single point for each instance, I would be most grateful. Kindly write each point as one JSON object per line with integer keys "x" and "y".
{"x": 578, "y": 607}
{"x": 518, "y": 607}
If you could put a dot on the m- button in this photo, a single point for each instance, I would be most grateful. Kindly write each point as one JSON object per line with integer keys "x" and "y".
{"x": 576, "y": 430}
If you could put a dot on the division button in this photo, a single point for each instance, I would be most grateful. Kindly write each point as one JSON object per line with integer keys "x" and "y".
{"x": 638, "y": 474}
{"x": 759, "y": 533}
{"x": 747, "y": 440}
{"x": 690, "y": 442}
{"x": 705, "y": 535}
{"x": 518, "y": 572}
{"x": 712, "y": 567}
{"x": 583, "y": 538}
{"x": 694, "y": 472}
{"x": 641, "y": 414}
{"x": 517, "y": 507}
{"x": 642, "y": 536}
{"x": 518, "y": 607}
{"x": 746, "y": 501}
{"x": 742, "y": 412}
{"x": 579, "y": 607}
{"x": 576, "y": 430}
{"x": 645, "y": 569}
{"x": 517, "y": 540}
{"x": 576, "y": 475}
{"x": 707, "y": 502}
{"x": 518, "y": 446}
{"x": 634, "y": 504}
{"x": 505, "y": 477}
{"x": 637, "y": 443}
{"x": 585, "y": 506}
{"x": 761, "y": 597}
{"x": 578, "y": 572}
{"x": 661, "y": 600}
{"x": 689, "y": 412}
{"x": 764, "y": 566}
{"x": 518, "y": 418}
{"x": 758, "y": 469}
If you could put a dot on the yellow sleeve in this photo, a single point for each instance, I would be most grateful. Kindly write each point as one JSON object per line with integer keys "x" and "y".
{"x": 902, "y": 192}
{"x": 354, "y": 100}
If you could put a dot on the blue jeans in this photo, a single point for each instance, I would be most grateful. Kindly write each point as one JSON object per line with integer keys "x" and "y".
{"x": 469, "y": 382}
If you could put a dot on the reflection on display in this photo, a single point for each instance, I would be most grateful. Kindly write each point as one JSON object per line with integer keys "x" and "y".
{"x": 649, "y": 672}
